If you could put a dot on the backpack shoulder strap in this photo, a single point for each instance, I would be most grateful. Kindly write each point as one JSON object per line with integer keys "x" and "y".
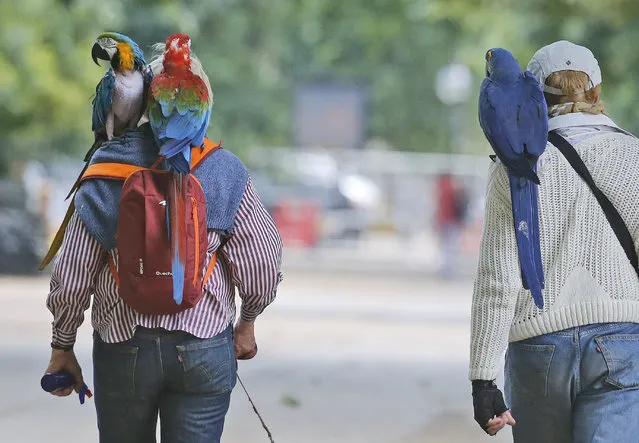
{"x": 120, "y": 171}
{"x": 113, "y": 171}
{"x": 200, "y": 153}
{"x": 213, "y": 262}
{"x": 614, "y": 218}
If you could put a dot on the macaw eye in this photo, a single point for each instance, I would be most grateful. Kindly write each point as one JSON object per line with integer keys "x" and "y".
{"x": 489, "y": 55}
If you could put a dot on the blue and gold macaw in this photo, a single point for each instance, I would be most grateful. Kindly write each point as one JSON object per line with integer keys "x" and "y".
{"x": 121, "y": 96}
{"x": 514, "y": 117}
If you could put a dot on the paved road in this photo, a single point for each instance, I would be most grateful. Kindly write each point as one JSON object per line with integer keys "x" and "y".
{"x": 343, "y": 358}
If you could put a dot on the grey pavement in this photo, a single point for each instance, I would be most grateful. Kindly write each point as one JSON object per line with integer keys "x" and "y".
{"x": 366, "y": 357}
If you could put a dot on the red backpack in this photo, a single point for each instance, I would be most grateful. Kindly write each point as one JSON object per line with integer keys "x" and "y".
{"x": 143, "y": 275}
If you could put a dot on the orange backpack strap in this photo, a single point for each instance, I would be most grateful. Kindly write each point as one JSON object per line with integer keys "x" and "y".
{"x": 200, "y": 153}
{"x": 209, "y": 269}
{"x": 113, "y": 171}
{"x": 211, "y": 266}
{"x": 113, "y": 269}
{"x": 121, "y": 171}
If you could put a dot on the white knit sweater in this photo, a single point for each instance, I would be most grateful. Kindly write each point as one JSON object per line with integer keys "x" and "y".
{"x": 588, "y": 276}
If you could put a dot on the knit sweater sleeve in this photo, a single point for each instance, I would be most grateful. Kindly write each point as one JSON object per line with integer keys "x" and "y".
{"x": 497, "y": 281}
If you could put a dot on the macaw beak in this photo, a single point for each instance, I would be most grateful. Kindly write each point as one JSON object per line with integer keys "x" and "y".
{"x": 98, "y": 52}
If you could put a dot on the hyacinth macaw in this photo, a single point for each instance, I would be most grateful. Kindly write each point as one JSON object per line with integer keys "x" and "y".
{"x": 514, "y": 118}
{"x": 179, "y": 110}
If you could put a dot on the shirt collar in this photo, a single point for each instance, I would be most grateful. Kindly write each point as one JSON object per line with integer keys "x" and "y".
{"x": 582, "y": 119}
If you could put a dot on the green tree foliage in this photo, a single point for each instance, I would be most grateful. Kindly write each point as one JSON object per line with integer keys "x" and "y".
{"x": 609, "y": 28}
{"x": 257, "y": 52}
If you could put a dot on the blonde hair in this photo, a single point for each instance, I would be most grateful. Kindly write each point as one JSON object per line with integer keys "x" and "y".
{"x": 196, "y": 66}
{"x": 573, "y": 84}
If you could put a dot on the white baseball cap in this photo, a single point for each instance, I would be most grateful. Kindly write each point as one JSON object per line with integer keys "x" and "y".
{"x": 564, "y": 56}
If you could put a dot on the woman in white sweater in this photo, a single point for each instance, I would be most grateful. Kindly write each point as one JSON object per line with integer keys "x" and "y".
{"x": 572, "y": 368}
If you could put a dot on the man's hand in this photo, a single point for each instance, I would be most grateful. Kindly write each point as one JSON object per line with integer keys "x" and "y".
{"x": 244, "y": 340}
{"x": 65, "y": 360}
{"x": 491, "y": 412}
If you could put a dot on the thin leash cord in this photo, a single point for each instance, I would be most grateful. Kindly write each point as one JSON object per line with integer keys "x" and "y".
{"x": 268, "y": 431}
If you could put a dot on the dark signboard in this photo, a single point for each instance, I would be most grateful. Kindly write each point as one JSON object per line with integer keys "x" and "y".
{"x": 329, "y": 115}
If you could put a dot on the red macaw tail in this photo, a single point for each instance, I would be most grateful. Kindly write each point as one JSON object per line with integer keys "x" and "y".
{"x": 176, "y": 211}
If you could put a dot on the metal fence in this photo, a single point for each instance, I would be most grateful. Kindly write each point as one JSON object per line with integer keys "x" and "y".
{"x": 427, "y": 208}
{"x": 408, "y": 209}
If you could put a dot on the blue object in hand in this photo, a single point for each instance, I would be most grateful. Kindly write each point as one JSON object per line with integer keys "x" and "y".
{"x": 62, "y": 380}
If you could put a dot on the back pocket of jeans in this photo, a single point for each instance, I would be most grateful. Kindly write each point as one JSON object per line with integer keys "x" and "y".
{"x": 621, "y": 353}
{"x": 528, "y": 367}
{"x": 208, "y": 365}
{"x": 114, "y": 369}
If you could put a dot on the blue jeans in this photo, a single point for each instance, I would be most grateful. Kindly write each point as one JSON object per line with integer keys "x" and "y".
{"x": 580, "y": 385}
{"x": 186, "y": 380}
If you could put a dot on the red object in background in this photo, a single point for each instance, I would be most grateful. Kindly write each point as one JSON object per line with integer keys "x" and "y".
{"x": 298, "y": 223}
{"x": 446, "y": 200}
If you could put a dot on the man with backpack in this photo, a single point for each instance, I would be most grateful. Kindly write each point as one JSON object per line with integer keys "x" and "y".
{"x": 155, "y": 354}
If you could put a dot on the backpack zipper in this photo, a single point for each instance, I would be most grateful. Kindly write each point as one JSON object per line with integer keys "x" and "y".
{"x": 196, "y": 222}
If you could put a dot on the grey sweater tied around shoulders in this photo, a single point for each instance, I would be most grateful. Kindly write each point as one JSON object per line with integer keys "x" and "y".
{"x": 222, "y": 175}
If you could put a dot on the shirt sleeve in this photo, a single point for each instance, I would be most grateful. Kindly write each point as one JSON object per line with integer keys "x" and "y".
{"x": 255, "y": 254}
{"x": 72, "y": 281}
{"x": 497, "y": 282}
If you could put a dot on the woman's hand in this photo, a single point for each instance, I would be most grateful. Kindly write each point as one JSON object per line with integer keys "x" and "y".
{"x": 491, "y": 412}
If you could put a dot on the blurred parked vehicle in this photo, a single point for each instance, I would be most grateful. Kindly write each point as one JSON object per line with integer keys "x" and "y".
{"x": 311, "y": 188}
{"x": 22, "y": 234}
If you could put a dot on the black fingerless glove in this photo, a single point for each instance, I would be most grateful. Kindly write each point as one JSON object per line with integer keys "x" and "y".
{"x": 488, "y": 402}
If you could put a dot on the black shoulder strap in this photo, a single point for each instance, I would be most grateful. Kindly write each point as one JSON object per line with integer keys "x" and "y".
{"x": 616, "y": 222}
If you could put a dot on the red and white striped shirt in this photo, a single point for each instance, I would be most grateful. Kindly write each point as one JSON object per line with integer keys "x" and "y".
{"x": 250, "y": 261}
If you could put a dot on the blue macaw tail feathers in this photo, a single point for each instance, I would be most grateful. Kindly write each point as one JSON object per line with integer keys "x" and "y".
{"x": 176, "y": 207}
{"x": 525, "y": 214}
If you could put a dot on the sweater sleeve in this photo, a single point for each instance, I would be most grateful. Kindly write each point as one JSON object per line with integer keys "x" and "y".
{"x": 497, "y": 281}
